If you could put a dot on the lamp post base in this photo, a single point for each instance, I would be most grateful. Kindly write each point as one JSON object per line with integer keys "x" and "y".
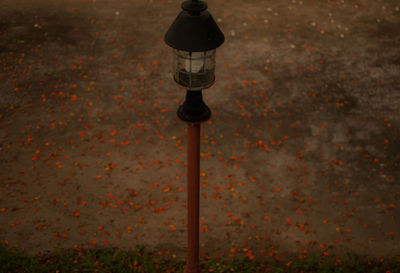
{"x": 192, "y": 269}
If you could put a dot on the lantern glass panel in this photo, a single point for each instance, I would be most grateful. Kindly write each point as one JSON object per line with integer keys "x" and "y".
{"x": 194, "y": 70}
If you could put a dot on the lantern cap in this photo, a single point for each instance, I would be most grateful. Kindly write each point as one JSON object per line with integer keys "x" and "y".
{"x": 194, "y": 7}
{"x": 194, "y": 29}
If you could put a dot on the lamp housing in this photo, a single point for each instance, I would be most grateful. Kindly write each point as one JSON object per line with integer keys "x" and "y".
{"x": 194, "y": 37}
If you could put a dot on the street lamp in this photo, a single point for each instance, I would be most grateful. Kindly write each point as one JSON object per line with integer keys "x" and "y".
{"x": 194, "y": 37}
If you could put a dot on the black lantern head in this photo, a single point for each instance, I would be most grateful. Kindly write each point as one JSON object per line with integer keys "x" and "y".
{"x": 194, "y": 36}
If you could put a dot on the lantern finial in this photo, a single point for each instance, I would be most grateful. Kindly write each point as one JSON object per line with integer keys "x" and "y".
{"x": 194, "y": 7}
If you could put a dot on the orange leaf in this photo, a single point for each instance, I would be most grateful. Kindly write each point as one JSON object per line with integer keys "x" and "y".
{"x": 110, "y": 195}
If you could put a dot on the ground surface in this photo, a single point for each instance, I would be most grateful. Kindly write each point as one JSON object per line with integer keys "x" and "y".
{"x": 301, "y": 153}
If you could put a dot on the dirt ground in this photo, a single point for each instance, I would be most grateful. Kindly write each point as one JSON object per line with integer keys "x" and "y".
{"x": 301, "y": 153}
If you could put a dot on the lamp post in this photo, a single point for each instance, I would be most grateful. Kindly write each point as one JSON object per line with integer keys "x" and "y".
{"x": 194, "y": 37}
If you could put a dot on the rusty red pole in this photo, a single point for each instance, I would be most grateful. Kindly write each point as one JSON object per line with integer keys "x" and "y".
{"x": 193, "y": 111}
{"x": 193, "y": 198}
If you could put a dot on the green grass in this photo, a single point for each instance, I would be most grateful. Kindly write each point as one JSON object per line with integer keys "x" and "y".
{"x": 114, "y": 260}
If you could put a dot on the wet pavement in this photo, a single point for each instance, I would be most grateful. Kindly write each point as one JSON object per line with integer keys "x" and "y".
{"x": 301, "y": 153}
